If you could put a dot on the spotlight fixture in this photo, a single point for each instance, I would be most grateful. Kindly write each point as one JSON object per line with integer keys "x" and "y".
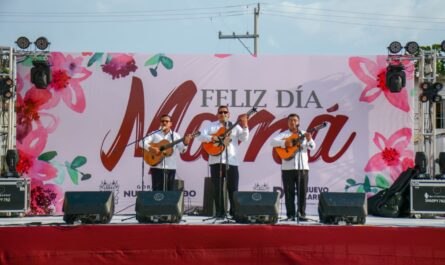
{"x": 395, "y": 77}
{"x": 40, "y": 74}
{"x": 412, "y": 47}
{"x": 42, "y": 43}
{"x": 23, "y": 42}
{"x": 6, "y": 85}
{"x": 430, "y": 92}
{"x": 395, "y": 47}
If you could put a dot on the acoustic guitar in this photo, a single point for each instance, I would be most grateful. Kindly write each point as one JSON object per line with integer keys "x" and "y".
{"x": 215, "y": 148}
{"x": 165, "y": 148}
{"x": 288, "y": 153}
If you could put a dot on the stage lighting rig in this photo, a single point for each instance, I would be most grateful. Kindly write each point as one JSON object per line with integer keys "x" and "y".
{"x": 6, "y": 85}
{"x": 395, "y": 77}
{"x": 23, "y": 43}
{"x": 42, "y": 43}
{"x": 430, "y": 92}
{"x": 412, "y": 47}
{"x": 395, "y": 47}
{"x": 41, "y": 73}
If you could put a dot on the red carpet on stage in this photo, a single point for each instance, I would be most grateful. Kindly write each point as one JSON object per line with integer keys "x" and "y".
{"x": 221, "y": 244}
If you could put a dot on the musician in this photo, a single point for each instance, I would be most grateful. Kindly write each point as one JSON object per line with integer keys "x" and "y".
{"x": 295, "y": 172}
{"x": 225, "y": 165}
{"x": 168, "y": 164}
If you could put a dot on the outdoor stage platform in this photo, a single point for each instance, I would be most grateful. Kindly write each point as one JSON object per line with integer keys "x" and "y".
{"x": 47, "y": 240}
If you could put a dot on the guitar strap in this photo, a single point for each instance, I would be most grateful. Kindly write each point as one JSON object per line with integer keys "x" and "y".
{"x": 173, "y": 149}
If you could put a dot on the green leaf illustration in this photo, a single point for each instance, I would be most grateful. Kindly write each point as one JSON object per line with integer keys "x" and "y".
{"x": 78, "y": 161}
{"x": 109, "y": 57}
{"x": 47, "y": 156}
{"x": 374, "y": 190}
{"x": 381, "y": 182}
{"x": 167, "y": 62}
{"x": 27, "y": 61}
{"x": 154, "y": 59}
{"x": 361, "y": 189}
{"x": 351, "y": 181}
{"x": 367, "y": 184}
{"x": 74, "y": 175}
{"x": 96, "y": 57}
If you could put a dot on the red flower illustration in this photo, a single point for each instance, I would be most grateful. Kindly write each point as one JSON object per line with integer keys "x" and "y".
{"x": 120, "y": 65}
{"x": 66, "y": 75}
{"x": 373, "y": 75}
{"x": 393, "y": 155}
{"x": 29, "y": 150}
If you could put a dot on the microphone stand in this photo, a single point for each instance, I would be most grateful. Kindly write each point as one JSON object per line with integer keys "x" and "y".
{"x": 143, "y": 166}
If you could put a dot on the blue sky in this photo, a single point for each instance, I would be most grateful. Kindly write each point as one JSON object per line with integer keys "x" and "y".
{"x": 331, "y": 27}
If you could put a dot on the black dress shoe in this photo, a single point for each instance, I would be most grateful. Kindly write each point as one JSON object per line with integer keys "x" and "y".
{"x": 303, "y": 219}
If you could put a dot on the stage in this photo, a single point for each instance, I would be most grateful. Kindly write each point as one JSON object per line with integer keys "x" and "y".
{"x": 47, "y": 240}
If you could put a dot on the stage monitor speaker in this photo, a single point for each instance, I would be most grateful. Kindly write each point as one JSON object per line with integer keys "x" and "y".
{"x": 342, "y": 207}
{"x": 88, "y": 206}
{"x": 159, "y": 206}
{"x": 256, "y": 207}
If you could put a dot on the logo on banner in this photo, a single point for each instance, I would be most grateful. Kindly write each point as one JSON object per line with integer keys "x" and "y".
{"x": 261, "y": 186}
{"x": 111, "y": 186}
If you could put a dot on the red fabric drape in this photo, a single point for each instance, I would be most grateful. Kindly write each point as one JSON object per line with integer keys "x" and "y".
{"x": 221, "y": 244}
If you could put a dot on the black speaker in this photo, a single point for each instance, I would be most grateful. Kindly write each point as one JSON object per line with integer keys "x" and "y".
{"x": 256, "y": 207}
{"x": 88, "y": 206}
{"x": 208, "y": 204}
{"x": 347, "y": 207}
{"x": 420, "y": 162}
{"x": 159, "y": 206}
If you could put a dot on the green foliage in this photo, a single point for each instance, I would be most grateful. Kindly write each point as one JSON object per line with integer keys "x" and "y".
{"x": 440, "y": 65}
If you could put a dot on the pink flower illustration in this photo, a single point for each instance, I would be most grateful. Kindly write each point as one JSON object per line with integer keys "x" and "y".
{"x": 373, "y": 75}
{"x": 120, "y": 65}
{"x": 29, "y": 150}
{"x": 45, "y": 198}
{"x": 28, "y": 110}
{"x": 66, "y": 75}
{"x": 393, "y": 155}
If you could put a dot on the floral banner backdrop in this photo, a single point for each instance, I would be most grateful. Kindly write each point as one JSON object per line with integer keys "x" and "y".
{"x": 83, "y": 132}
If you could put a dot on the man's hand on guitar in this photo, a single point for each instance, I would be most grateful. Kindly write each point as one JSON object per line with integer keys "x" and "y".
{"x": 308, "y": 136}
{"x": 288, "y": 142}
{"x": 243, "y": 121}
{"x": 154, "y": 150}
{"x": 187, "y": 139}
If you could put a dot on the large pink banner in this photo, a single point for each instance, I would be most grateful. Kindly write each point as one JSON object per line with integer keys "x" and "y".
{"x": 77, "y": 134}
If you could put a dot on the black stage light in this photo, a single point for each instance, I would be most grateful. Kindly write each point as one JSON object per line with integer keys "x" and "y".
{"x": 6, "y": 85}
{"x": 395, "y": 47}
{"x": 431, "y": 92}
{"x": 23, "y": 42}
{"x": 40, "y": 74}
{"x": 42, "y": 43}
{"x": 412, "y": 47}
{"x": 395, "y": 78}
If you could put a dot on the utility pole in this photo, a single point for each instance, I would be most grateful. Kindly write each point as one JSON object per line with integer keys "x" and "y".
{"x": 254, "y": 36}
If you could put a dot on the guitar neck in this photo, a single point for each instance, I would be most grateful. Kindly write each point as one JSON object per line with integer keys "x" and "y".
{"x": 249, "y": 113}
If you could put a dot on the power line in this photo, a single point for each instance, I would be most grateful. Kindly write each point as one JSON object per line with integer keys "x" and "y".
{"x": 350, "y": 12}
{"x": 354, "y": 23}
{"x": 272, "y": 11}
{"x": 128, "y": 12}
{"x": 123, "y": 20}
